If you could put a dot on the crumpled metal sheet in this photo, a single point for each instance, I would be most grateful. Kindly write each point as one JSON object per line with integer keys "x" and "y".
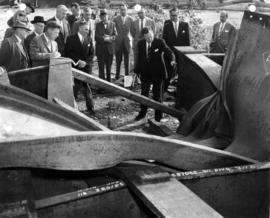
{"x": 248, "y": 88}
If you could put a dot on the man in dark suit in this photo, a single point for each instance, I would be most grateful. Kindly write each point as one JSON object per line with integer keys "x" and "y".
{"x": 123, "y": 40}
{"x": 175, "y": 33}
{"x": 13, "y": 54}
{"x": 86, "y": 16}
{"x": 80, "y": 49}
{"x": 105, "y": 47}
{"x": 60, "y": 18}
{"x": 223, "y": 32}
{"x": 39, "y": 24}
{"x": 151, "y": 67}
{"x": 44, "y": 47}
{"x": 76, "y": 14}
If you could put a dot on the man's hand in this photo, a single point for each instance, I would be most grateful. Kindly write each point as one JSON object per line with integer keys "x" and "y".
{"x": 173, "y": 63}
{"x": 2, "y": 71}
{"x": 81, "y": 64}
{"x": 55, "y": 55}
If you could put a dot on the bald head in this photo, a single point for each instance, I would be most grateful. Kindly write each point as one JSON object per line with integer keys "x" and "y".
{"x": 223, "y": 16}
{"x": 61, "y": 12}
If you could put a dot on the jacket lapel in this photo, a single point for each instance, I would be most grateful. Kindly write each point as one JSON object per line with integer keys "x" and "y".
{"x": 21, "y": 48}
{"x": 45, "y": 43}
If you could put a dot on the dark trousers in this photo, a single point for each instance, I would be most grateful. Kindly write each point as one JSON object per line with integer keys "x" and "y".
{"x": 105, "y": 59}
{"x": 86, "y": 90}
{"x": 173, "y": 72}
{"x": 158, "y": 89}
{"x": 119, "y": 55}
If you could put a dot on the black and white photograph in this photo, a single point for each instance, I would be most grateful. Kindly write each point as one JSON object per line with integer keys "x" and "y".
{"x": 134, "y": 108}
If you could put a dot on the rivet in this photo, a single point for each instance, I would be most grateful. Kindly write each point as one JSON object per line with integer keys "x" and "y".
{"x": 252, "y": 16}
{"x": 260, "y": 18}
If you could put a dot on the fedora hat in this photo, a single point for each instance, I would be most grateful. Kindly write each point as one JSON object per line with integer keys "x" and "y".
{"x": 21, "y": 25}
{"x": 38, "y": 19}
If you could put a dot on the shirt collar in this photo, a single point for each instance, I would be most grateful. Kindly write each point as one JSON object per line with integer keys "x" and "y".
{"x": 57, "y": 20}
{"x": 80, "y": 36}
{"x": 46, "y": 38}
{"x": 18, "y": 38}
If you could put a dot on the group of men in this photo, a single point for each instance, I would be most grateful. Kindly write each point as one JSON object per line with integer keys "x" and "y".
{"x": 79, "y": 37}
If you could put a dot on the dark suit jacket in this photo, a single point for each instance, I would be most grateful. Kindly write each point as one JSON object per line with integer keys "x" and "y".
{"x": 28, "y": 40}
{"x": 220, "y": 43}
{"x": 152, "y": 67}
{"x": 123, "y": 32}
{"x": 182, "y": 37}
{"x": 39, "y": 50}
{"x": 101, "y": 45}
{"x": 78, "y": 51}
{"x": 13, "y": 55}
{"x": 72, "y": 19}
{"x": 61, "y": 39}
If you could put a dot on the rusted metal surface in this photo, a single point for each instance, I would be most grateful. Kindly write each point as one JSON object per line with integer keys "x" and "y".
{"x": 99, "y": 150}
{"x": 248, "y": 88}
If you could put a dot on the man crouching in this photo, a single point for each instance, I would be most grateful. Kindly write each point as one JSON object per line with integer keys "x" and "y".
{"x": 152, "y": 68}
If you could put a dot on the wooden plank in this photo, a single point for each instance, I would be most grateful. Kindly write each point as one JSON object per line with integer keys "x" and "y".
{"x": 60, "y": 81}
{"x": 126, "y": 93}
{"x": 166, "y": 198}
{"x": 132, "y": 126}
{"x": 99, "y": 150}
{"x": 95, "y": 124}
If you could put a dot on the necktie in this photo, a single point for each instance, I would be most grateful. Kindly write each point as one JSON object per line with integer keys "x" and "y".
{"x": 221, "y": 28}
{"x": 51, "y": 46}
{"x": 141, "y": 24}
{"x": 175, "y": 28}
{"x": 148, "y": 48}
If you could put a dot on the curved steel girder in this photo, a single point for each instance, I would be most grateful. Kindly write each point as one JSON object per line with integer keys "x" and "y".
{"x": 99, "y": 150}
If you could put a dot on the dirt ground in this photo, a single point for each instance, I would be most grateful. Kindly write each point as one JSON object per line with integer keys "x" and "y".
{"x": 116, "y": 111}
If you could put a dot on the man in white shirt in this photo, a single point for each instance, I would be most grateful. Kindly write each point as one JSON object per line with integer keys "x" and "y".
{"x": 60, "y": 18}
{"x": 223, "y": 32}
{"x": 44, "y": 47}
{"x": 136, "y": 28}
{"x": 123, "y": 39}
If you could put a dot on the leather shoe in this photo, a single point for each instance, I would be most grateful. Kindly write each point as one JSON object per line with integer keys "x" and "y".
{"x": 140, "y": 116}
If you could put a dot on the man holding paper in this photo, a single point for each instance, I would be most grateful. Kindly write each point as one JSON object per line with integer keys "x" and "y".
{"x": 44, "y": 47}
{"x": 79, "y": 48}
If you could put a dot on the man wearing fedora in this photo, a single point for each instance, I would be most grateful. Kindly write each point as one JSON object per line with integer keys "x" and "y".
{"x": 39, "y": 24}
{"x": 44, "y": 47}
{"x": 105, "y": 48}
{"x": 13, "y": 55}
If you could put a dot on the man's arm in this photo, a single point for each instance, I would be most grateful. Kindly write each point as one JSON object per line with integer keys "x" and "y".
{"x": 5, "y": 54}
{"x": 187, "y": 38}
{"x": 69, "y": 49}
{"x": 35, "y": 53}
{"x": 164, "y": 33}
{"x": 167, "y": 51}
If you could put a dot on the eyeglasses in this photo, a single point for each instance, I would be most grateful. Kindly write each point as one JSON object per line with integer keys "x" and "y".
{"x": 174, "y": 15}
